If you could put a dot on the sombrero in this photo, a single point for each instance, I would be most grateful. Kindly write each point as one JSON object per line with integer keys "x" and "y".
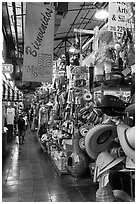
{"x": 82, "y": 143}
{"x": 126, "y": 137}
{"x": 83, "y": 131}
{"x": 99, "y": 138}
{"x": 106, "y": 161}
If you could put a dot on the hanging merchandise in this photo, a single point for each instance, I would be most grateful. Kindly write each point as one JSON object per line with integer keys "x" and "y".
{"x": 82, "y": 143}
{"x": 87, "y": 97}
{"x": 83, "y": 131}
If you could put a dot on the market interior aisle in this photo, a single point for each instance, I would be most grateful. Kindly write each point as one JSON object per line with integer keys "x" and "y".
{"x": 28, "y": 175}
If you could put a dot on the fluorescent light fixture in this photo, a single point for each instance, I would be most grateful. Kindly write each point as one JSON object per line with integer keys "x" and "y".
{"x": 101, "y": 14}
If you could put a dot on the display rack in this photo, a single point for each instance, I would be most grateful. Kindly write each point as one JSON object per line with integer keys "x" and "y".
{"x": 110, "y": 88}
{"x": 48, "y": 151}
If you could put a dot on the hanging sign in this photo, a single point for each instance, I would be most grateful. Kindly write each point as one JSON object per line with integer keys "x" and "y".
{"x": 118, "y": 15}
{"x": 39, "y": 41}
{"x": 7, "y": 68}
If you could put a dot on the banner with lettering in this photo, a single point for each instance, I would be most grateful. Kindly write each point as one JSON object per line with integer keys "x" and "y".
{"x": 118, "y": 17}
{"x": 39, "y": 42}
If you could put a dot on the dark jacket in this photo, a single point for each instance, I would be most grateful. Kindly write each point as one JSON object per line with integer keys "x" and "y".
{"x": 21, "y": 124}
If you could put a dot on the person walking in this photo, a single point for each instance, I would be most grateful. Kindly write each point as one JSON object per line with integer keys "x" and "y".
{"x": 26, "y": 121}
{"x": 21, "y": 129}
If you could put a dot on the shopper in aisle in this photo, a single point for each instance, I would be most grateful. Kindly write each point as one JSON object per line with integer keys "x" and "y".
{"x": 26, "y": 120}
{"x": 21, "y": 129}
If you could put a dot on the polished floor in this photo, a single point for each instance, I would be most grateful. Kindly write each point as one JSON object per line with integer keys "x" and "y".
{"x": 28, "y": 175}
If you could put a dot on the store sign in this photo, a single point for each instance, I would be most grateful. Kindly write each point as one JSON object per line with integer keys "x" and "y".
{"x": 39, "y": 41}
{"x": 118, "y": 17}
{"x": 7, "y": 68}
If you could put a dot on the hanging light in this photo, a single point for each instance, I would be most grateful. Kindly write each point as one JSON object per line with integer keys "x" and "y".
{"x": 101, "y": 14}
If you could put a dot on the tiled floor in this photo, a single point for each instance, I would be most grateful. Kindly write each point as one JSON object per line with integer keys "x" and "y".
{"x": 29, "y": 176}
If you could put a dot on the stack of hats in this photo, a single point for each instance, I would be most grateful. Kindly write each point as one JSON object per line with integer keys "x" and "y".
{"x": 105, "y": 161}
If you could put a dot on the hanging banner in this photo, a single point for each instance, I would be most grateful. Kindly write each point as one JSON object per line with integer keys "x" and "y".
{"x": 39, "y": 42}
{"x": 118, "y": 17}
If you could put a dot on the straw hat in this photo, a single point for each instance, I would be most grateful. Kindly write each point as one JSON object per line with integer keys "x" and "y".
{"x": 106, "y": 161}
{"x": 99, "y": 138}
{"x": 126, "y": 137}
{"x": 83, "y": 131}
{"x": 82, "y": 143}
{"x": 105, "y": 194}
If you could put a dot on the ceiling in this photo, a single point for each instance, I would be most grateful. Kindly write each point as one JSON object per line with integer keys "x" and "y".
{"x": 68, "y": 16}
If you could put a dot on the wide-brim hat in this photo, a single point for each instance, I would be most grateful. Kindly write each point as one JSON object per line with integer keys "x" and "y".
{"x": 99, "y": 138}
{"x": 126, "y": 135}
{"x": 83, "y": 131}
{"x": 130, "y": 109}
{"x": 112, "y": 105}
{"x": 82, "y": 143}
{"x": 106, "y": 161}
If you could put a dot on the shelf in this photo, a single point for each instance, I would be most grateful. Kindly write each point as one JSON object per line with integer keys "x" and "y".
{"x": 117, "y": 88}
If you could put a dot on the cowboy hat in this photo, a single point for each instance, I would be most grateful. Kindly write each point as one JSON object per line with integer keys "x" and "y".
{"x": 106, "y": 161}
{"x": 83, "y": 131}
{"x": 126, "y": 135}
{"x": 99, "y": 138}
{"x": 112, "y": 105}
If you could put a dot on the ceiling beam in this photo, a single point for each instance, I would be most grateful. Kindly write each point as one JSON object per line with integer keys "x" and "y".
{"x": 70, "y": 37}
{"x": 75, "y": 19}
{"x": 22, "y": 16}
